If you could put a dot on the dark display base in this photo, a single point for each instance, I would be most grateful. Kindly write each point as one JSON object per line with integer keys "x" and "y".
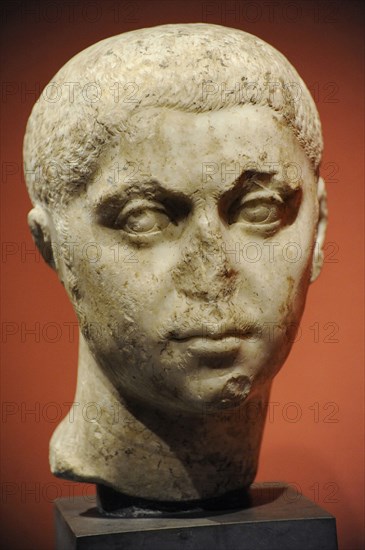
{"x": 274, "y": 517}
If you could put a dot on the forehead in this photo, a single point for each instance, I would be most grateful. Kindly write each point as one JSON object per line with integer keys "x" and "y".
{"x": 174, "y": 146}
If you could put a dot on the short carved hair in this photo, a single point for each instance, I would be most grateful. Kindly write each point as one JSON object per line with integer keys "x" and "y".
{"x": 190, "y": 67}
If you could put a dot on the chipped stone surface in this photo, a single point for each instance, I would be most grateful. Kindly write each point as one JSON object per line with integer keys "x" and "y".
{"x": 176, "y": 195}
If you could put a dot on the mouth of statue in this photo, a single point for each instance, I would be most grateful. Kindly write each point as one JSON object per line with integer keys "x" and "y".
{"x": 212, "y": 343}
{"x": 206, "y": 345}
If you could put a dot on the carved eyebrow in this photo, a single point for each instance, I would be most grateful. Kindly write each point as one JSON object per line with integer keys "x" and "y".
{"x": 251, "y": 179}
{"x": 148, "y": 189}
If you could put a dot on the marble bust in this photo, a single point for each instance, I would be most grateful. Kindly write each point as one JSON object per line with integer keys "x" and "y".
{"x": 174, "y": 174}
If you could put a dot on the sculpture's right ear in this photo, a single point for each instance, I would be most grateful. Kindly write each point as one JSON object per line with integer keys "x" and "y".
{"x": 40, "y": 228}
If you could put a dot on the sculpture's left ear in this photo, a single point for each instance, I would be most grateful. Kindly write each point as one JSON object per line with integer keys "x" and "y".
{"x": 318, "y": 257}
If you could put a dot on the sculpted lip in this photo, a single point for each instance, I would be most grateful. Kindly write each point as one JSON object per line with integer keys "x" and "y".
{"x": 207, "y": 342}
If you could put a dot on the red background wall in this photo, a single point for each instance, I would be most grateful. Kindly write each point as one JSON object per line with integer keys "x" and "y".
{"x": 314, "y": 433}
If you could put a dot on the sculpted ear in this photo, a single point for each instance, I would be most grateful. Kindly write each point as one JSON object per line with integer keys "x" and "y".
{"x": 40, "y": 228}
{"x": 318, "y": 256}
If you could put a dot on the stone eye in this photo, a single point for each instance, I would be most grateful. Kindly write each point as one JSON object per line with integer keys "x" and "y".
{"x": 148, "y": 220}
{"x": 258, "y": 211}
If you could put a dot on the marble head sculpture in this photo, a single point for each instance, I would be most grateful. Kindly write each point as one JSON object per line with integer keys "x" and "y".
{"x": 174, "y": 173}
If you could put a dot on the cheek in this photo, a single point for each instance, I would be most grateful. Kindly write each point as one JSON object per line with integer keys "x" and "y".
{"x": 294, "y": 262}
{"x": 123, "y": 297}
{"x": 276, "y": 286}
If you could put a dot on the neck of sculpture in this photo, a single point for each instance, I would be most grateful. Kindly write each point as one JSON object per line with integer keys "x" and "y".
{"x": 151, "y": 454}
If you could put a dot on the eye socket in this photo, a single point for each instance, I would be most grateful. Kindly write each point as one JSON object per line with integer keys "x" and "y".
{"x": 143, "y": 217}
{"x": 142, "y": 220}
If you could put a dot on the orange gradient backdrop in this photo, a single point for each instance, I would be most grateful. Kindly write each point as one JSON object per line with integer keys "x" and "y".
{"x": 314, "y": 433}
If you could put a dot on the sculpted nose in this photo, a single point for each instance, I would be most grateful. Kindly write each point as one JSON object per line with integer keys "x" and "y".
{"x": 206, "y": 269}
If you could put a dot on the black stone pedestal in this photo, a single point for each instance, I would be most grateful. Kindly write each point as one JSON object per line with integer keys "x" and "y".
{"x": 276, "y": 517}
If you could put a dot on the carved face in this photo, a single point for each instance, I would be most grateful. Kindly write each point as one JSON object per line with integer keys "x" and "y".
{"x": 192, "y": 249}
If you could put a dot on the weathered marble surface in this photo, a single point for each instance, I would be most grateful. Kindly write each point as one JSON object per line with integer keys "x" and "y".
{"x": 174, "y": 177}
